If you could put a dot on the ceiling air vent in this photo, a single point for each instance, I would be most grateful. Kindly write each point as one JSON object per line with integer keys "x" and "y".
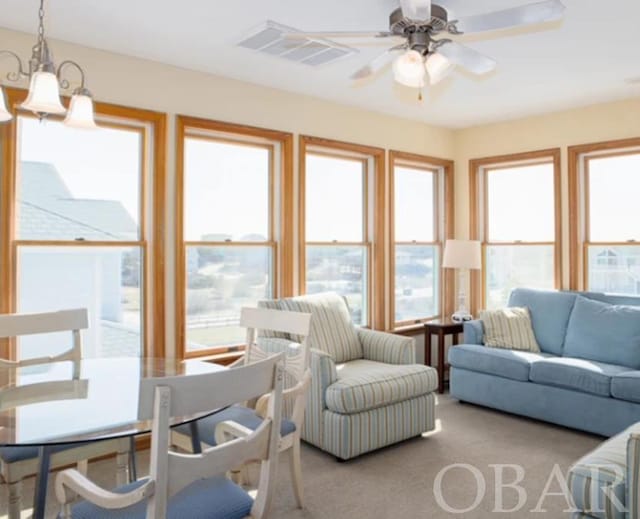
{"x": 269, "y": 39}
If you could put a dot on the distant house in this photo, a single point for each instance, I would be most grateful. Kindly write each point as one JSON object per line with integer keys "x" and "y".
{"x": 67, "y": 277}
{"x": 616, "y": 271}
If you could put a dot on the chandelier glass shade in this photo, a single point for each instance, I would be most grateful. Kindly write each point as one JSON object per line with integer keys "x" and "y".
{"x": 438, "y": 67}
{"x": 408, "y": 69}
{"x": 45, "y": 83}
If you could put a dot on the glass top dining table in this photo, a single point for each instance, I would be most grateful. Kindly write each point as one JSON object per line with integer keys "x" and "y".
{"x": 51, "y": 404}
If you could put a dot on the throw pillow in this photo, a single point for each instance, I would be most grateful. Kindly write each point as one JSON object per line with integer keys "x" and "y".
{"x": 603, "y": 332}
{"x": 509, "y": 328}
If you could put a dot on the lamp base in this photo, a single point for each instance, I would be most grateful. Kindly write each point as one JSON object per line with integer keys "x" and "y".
{"x": 461, "y": 316}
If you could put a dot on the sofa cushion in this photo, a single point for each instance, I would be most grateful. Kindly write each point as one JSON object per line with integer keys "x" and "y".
{"x": 550, "y": 313}
{"x": 577, "y": 374}
{"x": 626, "y": 386}
{"x": 597, "y": 481}
{"x": 603, "y": 332}
{"x": 509, "y": 328}
{"x": 503, "y": 363}
{"x": 366, "y": 384}
{"x": 331, "y": 328}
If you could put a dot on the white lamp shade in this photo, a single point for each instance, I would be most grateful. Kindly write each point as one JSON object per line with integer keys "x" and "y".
{"x": 80, "y": 114}
{"x": 408, "y": 69}
{"x": 5, "y": 115}
{"x": 44, "y": 94}
{"x": 462, "y": 254}
{"x": 438, "y": 67}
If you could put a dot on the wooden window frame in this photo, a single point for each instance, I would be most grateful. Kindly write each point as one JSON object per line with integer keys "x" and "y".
{"x": 579, "y": 219}
{"x": 477, "y": 169}
{"x": 283, "y": 265}
{"x": 153, "y": 128}
{"x": 444, "y": 229}
{"x": 374, "y": 237}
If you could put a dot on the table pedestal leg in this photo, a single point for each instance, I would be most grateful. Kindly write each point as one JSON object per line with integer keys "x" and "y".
{"x": 40, "y": 493}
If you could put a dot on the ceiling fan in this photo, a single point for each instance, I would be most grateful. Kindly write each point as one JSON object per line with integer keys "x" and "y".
{"x": 417, "y": 22}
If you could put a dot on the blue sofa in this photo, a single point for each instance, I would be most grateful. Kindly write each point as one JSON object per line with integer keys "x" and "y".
{"x": 587, "y": 375}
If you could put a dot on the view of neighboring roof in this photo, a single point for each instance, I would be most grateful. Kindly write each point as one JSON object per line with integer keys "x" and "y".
{"x": 48, "y": 209}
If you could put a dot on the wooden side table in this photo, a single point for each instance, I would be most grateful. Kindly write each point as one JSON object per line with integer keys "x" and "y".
{"x": 441, "y": 328}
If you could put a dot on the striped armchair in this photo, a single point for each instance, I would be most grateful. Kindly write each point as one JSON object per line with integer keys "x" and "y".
{"x": 367, "y": 392}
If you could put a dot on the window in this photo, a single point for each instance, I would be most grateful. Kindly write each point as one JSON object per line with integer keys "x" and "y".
{"x": 517, "y": 220}
{"x": 338, "y": 188}
{"x": 229, "y": 229}
{"x": 605, "y": 180}
{"x": 83, "y": 226}
{"x": 419, "y": 186}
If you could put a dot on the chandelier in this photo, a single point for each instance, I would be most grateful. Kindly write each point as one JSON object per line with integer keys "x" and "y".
{"x": 45, "y": 83}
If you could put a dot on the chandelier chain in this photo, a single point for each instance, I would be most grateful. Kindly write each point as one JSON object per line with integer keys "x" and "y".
{"x": 41, "y": 22}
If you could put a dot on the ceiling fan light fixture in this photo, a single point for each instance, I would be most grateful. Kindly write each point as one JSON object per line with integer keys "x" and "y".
{"x": 409, "y": 70}
{"x": 438, "y": 67}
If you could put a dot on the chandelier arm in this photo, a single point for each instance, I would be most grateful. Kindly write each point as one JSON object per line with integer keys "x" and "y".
{"x": 20, "y": 73}
{"x": 64, "y": 83}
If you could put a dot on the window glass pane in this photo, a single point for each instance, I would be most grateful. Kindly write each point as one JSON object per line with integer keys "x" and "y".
{"x": 220, "y": 281}
{"x": 520, "y": 204}
{"x": 107, "y": 281}
{"x": 226, "y": 191}
{"x": 615, "y": 270}
{"x": 414, "y": 204}
{"x": 509, "y": 267}
{"x": 614, "y": 212}
{"x": 75, "y": 184}
{"x": 417, "y": 280}
{"x": 334, "y": 199}
{"x": 342, "y": 270}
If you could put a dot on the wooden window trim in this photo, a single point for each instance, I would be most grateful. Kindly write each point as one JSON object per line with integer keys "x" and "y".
{"x": 153, "y": 272}
{"x": 376, "y": 278}
{"x": 447, "y": 276}
{"x": 283, "y": 248}
{"x": 476, "y": 167}
{"x": 578, "y": 222}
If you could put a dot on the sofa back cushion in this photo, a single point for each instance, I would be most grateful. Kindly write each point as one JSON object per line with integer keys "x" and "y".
{"x": 332, "y": 330}
{"x": 550, "y": 311}
{"x": 603, "y": 332}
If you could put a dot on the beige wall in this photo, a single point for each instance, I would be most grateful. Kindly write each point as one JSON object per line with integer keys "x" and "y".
{"x": 603, "y": 122}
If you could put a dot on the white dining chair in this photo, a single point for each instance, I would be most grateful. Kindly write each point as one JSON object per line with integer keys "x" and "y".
{"x": 191, "y": 486}
{"x": 237, "y": 420}
{"x": 17, "y": 463}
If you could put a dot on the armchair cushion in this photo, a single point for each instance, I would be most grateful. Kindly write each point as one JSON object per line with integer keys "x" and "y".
{"x": 387, "y": 347}
{"x": 366, "y": 384}
{"x": 331, "y": 328}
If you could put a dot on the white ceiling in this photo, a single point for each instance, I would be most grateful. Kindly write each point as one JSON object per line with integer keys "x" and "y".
{"x": 584, "y": 59}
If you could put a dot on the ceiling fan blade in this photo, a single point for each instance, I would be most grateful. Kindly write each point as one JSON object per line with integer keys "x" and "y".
{"x": 538, "y": 12}
{"x": 337, "y": 34}
{"x": 416, "y": 9}
{"x": 467, "y": 58}
{"x": 376, "y": 64}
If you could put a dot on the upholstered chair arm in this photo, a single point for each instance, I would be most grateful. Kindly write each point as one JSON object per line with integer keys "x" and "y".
{"x": 473, "y": 332}
{"x": 70, "y": 483}
{"x": 323, "y": 374}
{"x": 387, "y": 347}
{"x": 633, "y": 475}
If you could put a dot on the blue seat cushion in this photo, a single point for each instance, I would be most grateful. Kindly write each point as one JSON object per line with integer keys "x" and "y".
{"x": 550, "y": 313}
{"x": 236, "y": 413}
{"x": 14, "y": 454}
{"x": 214, "y": 498}
{"x": 582, "y": 375}
{"x": 604, "y": 332}
{"x": 494, "y": 361}
{"x": 626, "y": 386}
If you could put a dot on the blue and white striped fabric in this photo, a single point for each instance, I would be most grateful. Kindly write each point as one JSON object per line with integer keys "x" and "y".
{"x": 387, "y": 347}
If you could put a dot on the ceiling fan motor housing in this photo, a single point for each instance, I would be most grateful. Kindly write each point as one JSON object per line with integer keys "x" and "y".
{"x": 418, "y": 33}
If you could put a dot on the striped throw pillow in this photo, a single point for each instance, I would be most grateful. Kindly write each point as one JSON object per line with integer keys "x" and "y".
{"x": 509, "y": 328}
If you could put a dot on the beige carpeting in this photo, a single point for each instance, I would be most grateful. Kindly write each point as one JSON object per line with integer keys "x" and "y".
{"x": 399, "y": 481}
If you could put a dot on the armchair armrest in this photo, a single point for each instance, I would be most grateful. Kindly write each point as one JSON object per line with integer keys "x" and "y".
{"x": 70, "y": 483}
{"x": 387, "y": 347}
{"x": 633, "y": 466}
{"x": 473, "y": 332}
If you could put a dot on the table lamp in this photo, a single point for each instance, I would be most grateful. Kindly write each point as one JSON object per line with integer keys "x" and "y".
{"x": 462, "y": 255}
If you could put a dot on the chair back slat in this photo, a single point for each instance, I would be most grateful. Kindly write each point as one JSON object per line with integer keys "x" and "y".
{"x": 15, "y": 325}
{"x": 275, "y": 320}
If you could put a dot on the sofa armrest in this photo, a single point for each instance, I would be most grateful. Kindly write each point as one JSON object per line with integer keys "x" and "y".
{"x": 387, "y": 347}
{"x": 473, "y": 332}
{"x": 633, "y": 475}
